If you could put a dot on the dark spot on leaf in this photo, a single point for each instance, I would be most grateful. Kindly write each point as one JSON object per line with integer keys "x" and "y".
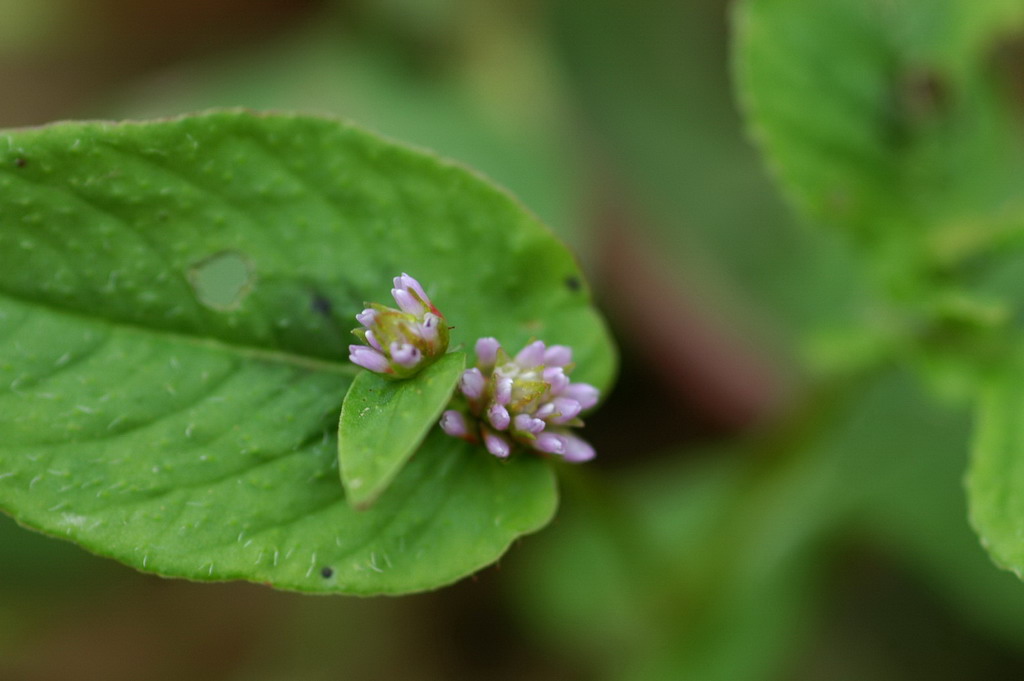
{"x": 223, "y": 280}
{"x": 321, "y": 305}
{"x": 1007, "y": 64}
{"x": 925, "y": 95}
{"x": 20, "y": 162}
{"x": 919, "y": 97}
{"x": 573, "y": 284}
{"x": 327, "y": 572}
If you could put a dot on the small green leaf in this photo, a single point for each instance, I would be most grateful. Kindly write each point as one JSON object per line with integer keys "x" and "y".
{"x": 175, "y": 304}
{"x": 383, "y": 421}
{"x": 995, "y": 480}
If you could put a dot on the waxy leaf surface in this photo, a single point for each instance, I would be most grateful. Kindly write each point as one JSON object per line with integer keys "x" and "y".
{"x": 176, "y": 299}
{"x": 383, "y": 422}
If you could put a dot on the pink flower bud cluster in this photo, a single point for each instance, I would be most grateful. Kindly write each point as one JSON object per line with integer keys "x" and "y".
{"x": 398, "y": 343}
{"x": 527, "y": 400}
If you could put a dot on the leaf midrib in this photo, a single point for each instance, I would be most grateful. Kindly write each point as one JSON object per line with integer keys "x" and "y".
{"x": 245, "y": 352}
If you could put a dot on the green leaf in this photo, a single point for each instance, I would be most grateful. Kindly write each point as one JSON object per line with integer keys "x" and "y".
{"x": 175, "y": 303}
{"x": 899, "y": 122}
{"x": 383, "y": 421}
{"x": 995, "y": 481}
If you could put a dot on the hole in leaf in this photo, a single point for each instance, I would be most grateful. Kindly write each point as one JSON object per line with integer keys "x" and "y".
{"x": 223, "y": 280}
{"x": 327, "y": 572}
{"x": 572, "y": 283}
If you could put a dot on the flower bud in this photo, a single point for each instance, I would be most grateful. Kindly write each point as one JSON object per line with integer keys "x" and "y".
{"x": 577, "y": 449}
{"x": 368, "y": 358}
{"x": 557, "y": 356}
{"x": 531, "y": 355}
{"x": 454, "y": 423}
{"x": 496, "y": 444}
{"x": 499, "y": 417}
{"x": 552, "y": 443}
{"x": 584, "y": 393}
{"x": 472, "y": 383}
{"x": 487, "y": 352}
{"x": 406, "y": 339}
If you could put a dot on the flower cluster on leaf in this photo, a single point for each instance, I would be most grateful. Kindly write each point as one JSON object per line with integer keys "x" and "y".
{"x": 399, "y": 343}
{"x": 503, "y": 401}
{"x": 527, "y": 400}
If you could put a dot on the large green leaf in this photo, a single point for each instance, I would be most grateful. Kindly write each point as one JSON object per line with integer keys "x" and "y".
{"x": 383, "y": 422}
{"x": 175, "y": 303}
{"x": 899, "y": 121}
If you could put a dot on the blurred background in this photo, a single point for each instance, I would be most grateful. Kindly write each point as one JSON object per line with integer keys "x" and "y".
{"x": 697, "y": 546}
